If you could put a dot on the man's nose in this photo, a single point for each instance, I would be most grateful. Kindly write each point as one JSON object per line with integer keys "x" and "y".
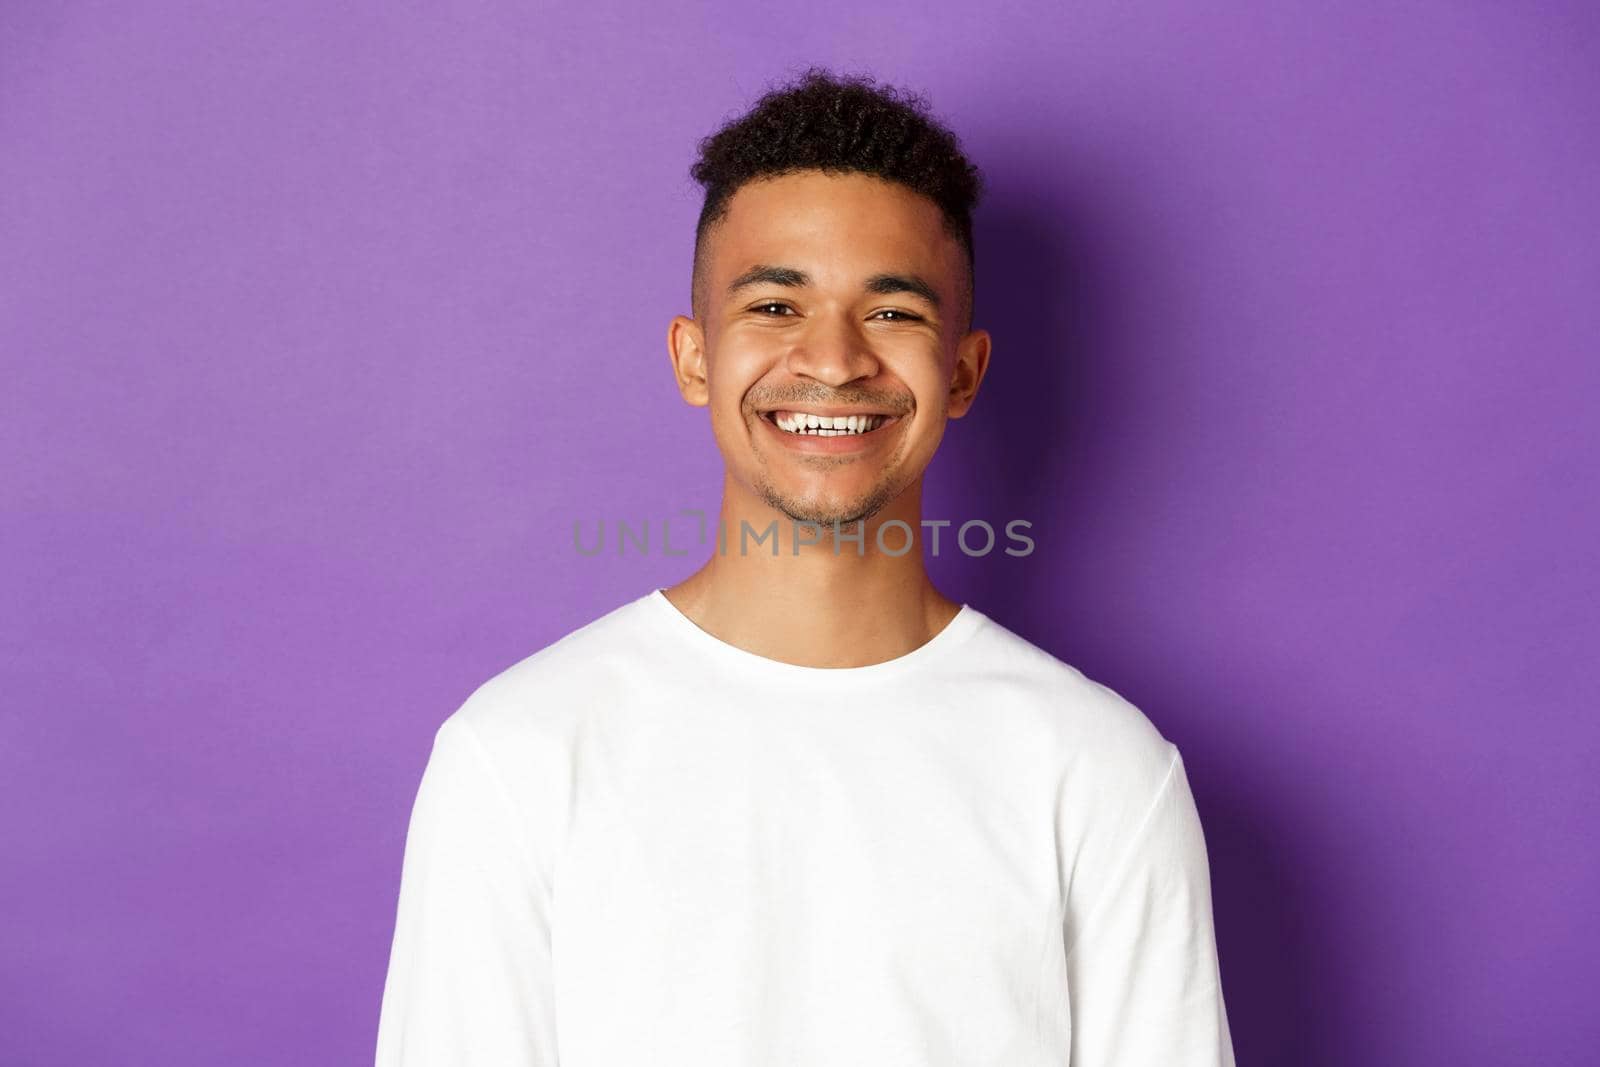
{"x": 834, "y": 350}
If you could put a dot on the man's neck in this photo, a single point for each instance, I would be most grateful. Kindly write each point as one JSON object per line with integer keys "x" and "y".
{"x": 848, "y": 605}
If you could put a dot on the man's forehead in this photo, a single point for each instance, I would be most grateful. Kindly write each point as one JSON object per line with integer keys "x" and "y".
{"x": 840, "y": 225}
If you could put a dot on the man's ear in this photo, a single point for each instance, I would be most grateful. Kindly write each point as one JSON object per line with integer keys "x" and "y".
{"x": 686, "y": 345}
{"x": 972, "y": 360}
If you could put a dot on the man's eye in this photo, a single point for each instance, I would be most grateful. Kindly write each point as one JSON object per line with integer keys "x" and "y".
{"x": 770, "y": 304}
{"x": 905, "y": 316}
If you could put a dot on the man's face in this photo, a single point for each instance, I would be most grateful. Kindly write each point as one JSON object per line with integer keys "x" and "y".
{"x": 826, "y": 298}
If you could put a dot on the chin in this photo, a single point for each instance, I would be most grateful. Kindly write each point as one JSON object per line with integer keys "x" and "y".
{"x": 825, "y": 513}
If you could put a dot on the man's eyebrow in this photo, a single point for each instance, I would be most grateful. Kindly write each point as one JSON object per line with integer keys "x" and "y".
{"x": 762, "y": 274}
{"x": 882, "y": 284}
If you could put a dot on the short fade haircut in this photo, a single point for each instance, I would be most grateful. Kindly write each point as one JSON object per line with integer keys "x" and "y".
{"x": 839, "y": 124}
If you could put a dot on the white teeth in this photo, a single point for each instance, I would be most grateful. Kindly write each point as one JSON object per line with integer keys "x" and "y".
{"x": 826, "y": 425}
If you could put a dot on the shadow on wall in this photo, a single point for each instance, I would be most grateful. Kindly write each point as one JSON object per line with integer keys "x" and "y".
{"x": 1046, "y": 441}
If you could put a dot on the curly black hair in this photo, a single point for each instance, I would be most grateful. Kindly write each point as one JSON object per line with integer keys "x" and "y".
{"x": 839, "y": 124}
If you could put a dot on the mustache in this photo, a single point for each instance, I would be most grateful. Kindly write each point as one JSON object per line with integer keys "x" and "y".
{"x": 767, "y": 399}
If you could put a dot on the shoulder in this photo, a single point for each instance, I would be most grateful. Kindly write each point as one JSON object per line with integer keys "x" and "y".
{"x": 1104, "y": 744}
{"x": 559, "y": 675}
{"x": 521, "y": 727}
{"x": 1110, "y": 767}
{"x": 526, "y": 717}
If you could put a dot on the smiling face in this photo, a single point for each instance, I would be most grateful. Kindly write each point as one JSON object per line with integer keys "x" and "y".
{"x": 829, "y": 343}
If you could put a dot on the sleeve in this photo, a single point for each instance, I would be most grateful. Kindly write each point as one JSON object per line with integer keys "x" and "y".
{"x": 1143, "y": 977}
{"x": 469, "y": 976}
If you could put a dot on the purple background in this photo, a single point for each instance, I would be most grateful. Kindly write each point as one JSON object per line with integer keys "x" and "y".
{"x": 323, "y": 323}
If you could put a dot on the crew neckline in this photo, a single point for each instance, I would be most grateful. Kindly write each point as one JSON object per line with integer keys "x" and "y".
{"x": 961, "y": 625}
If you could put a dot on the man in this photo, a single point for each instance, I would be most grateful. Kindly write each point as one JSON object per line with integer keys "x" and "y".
{"x": 801, "y": 808}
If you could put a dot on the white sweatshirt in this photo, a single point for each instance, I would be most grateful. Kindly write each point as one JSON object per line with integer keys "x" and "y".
{"x": 645, "y": 847}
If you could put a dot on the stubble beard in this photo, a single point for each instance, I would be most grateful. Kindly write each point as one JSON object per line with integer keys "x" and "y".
{"x": 845, "y": 515}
